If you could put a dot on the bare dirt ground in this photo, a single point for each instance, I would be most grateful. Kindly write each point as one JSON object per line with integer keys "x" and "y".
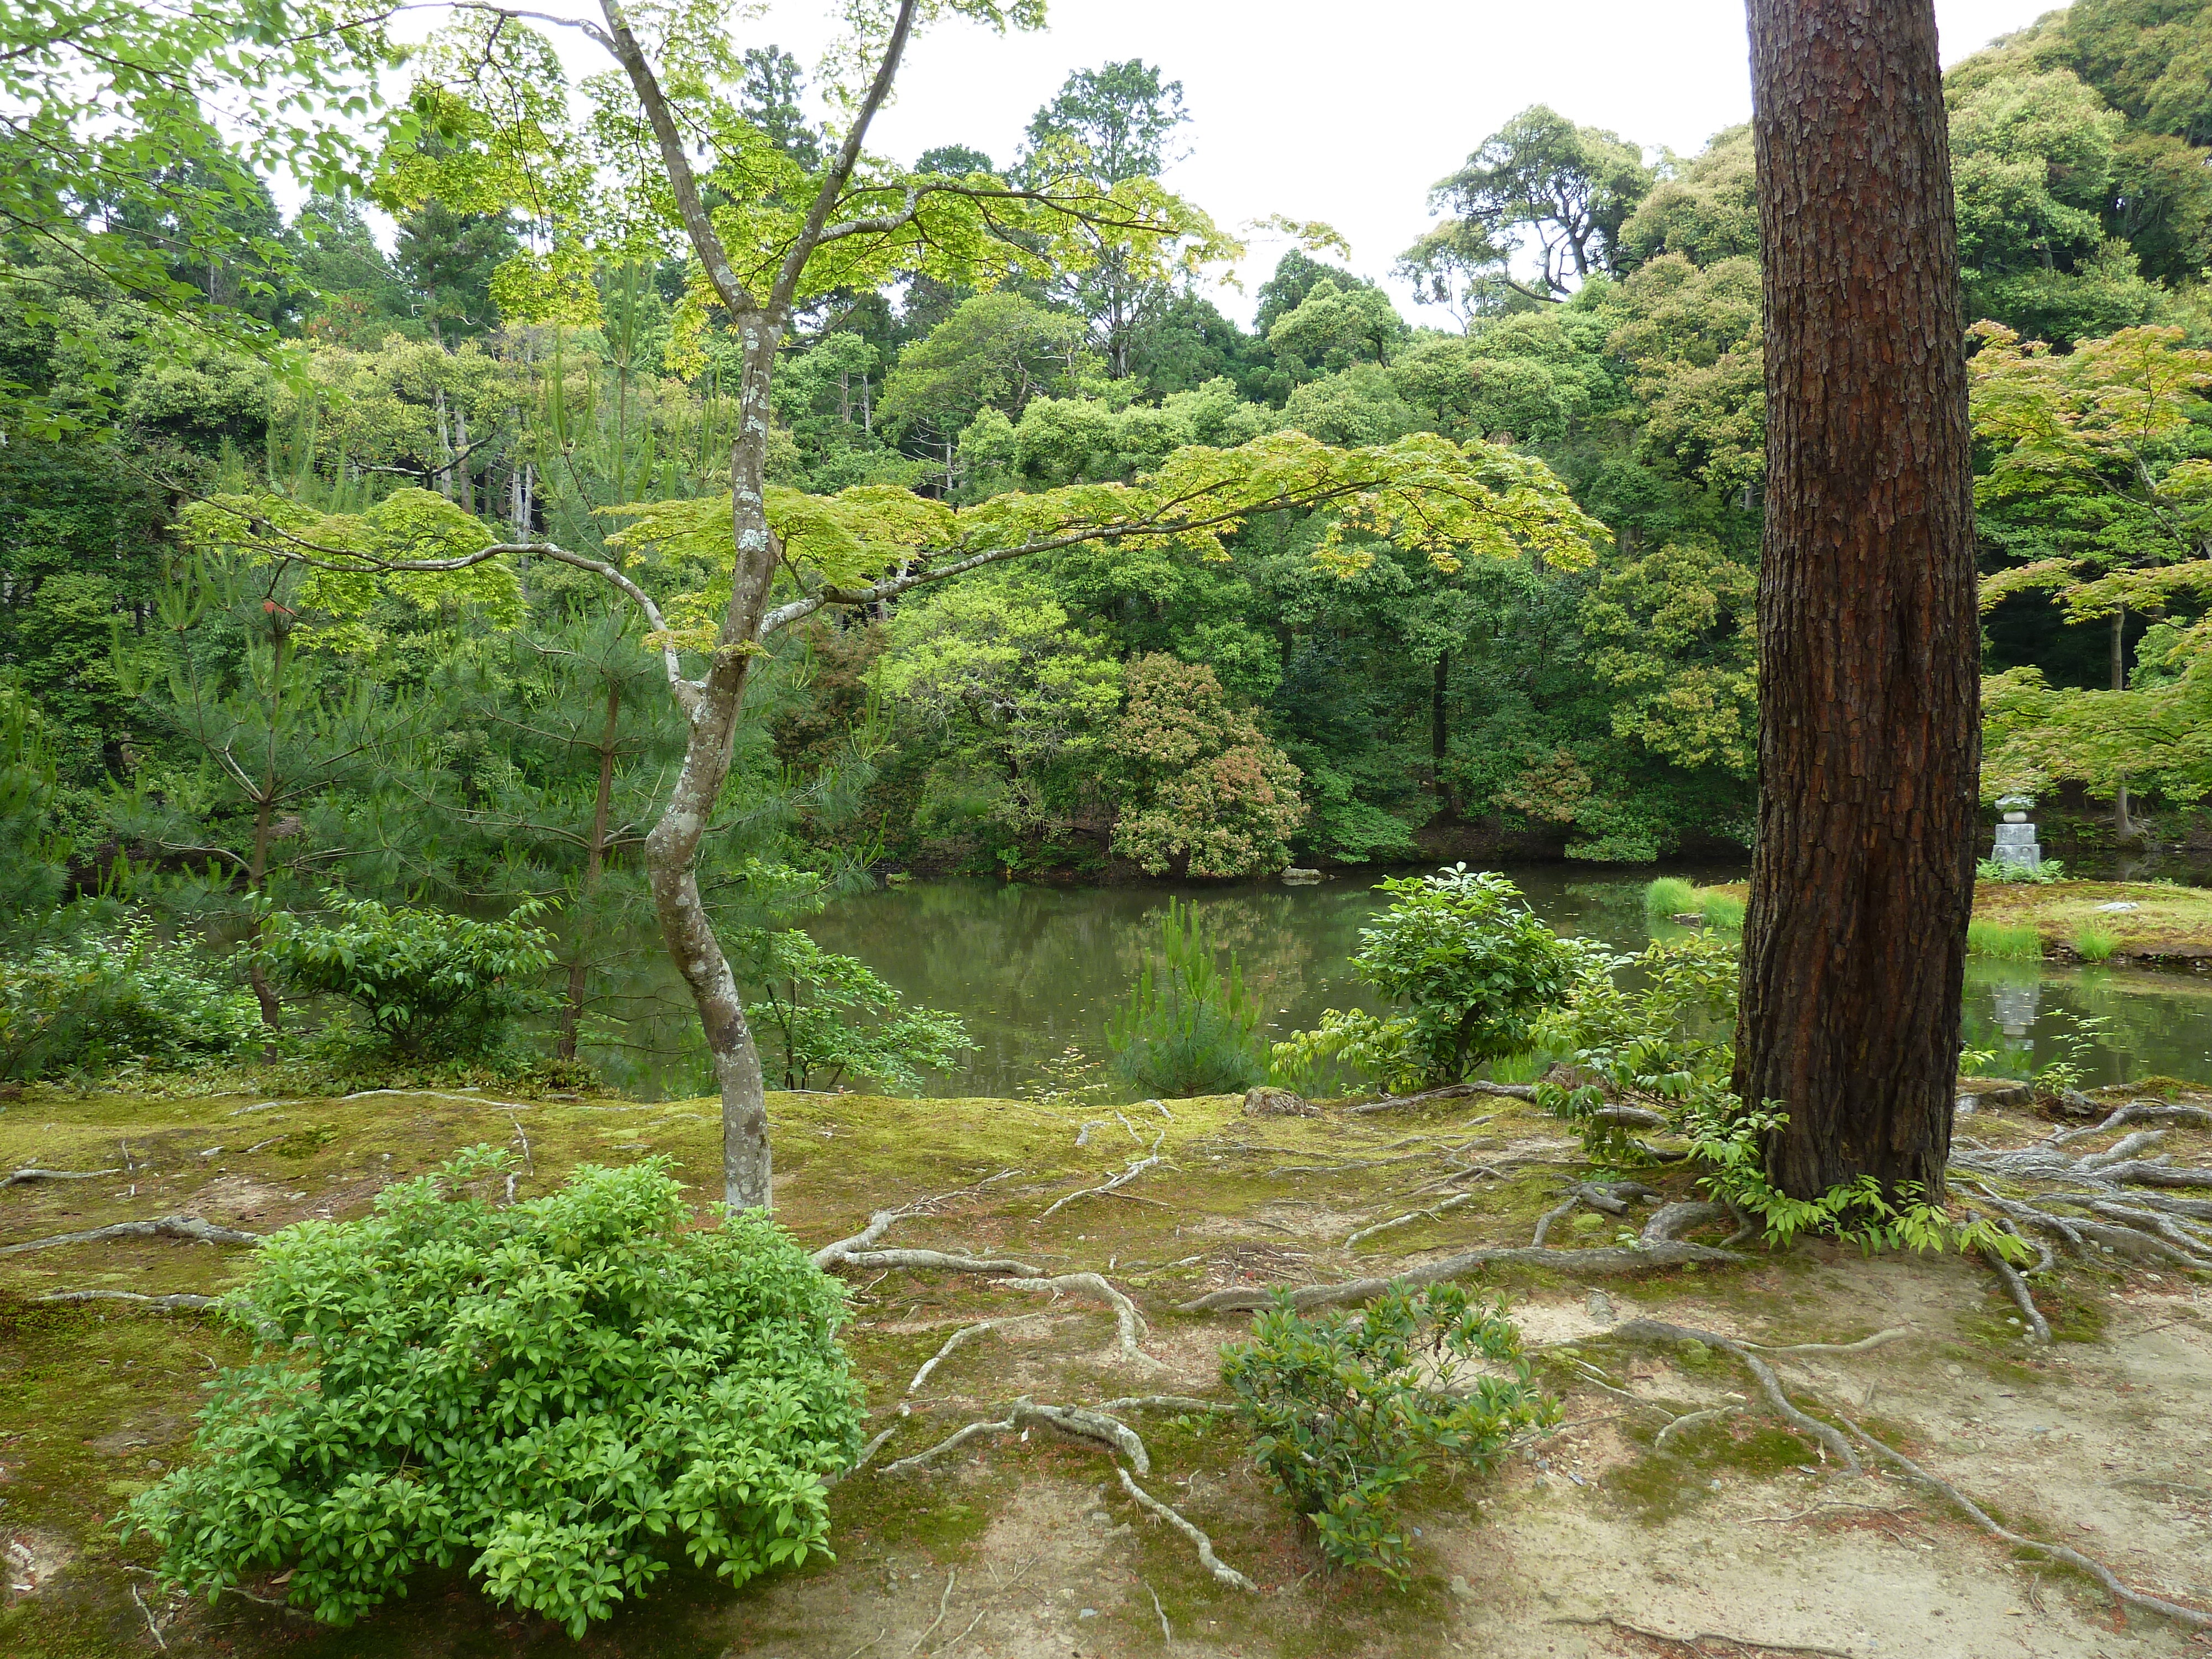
{"x": 1737, "y": 1536}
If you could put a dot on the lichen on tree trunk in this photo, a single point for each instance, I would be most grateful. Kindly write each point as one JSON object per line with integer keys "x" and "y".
{"x": 1869, "y": 739}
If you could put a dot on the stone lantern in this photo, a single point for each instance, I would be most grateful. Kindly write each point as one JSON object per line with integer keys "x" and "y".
{"x": 2015, "y": 842}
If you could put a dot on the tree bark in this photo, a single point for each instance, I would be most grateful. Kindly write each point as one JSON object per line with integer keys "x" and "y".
{"x": 2123, "y": 823}
{"x": 1869, "y": 729}
{"x": 1440, "y": 732}
{"x": 672, "y": 847}
{"x": 595, "y": 863}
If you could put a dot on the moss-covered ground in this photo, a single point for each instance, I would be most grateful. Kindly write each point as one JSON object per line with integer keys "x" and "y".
{"x": 1030, "y": 1545}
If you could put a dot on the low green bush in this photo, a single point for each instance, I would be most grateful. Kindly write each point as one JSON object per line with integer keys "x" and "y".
{"x": 424, "y": 985}
{"x": 1669, "y": 896}
{"x": 1721, "y": 910}
{"x": 89, "y": 1005}
{"x": 1189, "y": 1028}
{"x": 1469, "y": 969}
{"x": 2015, "y": 941}
{"x": 1348, "y": 1407}
{"x": 561, "y": 1394}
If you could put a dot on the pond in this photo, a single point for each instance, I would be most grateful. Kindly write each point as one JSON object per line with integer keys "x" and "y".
{"x": 1035, "y": 969}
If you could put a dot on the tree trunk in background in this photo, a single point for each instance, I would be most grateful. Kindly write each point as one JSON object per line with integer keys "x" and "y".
{"x": 2123, "y": 823}
{"x": 1870, "y": 728}
{"x": 1440, "y": 731}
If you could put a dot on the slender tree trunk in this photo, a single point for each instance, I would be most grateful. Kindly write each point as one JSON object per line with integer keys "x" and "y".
{"x": 2123, "y": 825}
{"x": 1869, "y": 736}
{"x": 257, "y": 866}
{"x": 595, "y": 863}
{"x": 671, "y": 849}
{"x": 1439, "y": 732}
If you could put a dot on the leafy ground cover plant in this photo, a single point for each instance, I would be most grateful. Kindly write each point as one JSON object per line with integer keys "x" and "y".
{"x": 2044, "y": 874}
{"x": 1347, "y": 1408}
{"x": 1470, "y": 967}
{"x": 1189, "y": 1028}
{"x": 88, "y": 1004}
{"x": 560, "y": 1394}
{"x": 832, "y": 1016}
{"x": 424, "y": 984}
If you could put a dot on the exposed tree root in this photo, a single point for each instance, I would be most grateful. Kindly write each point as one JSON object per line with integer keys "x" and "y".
{"x": 1136, "y": 1168}
{"x": 24, "y": 1177}
{"x": 1410, "y": 1215}
{"x": 1660, "y": 1246}
{"x": 175, "y": 1301}
{"x": 189, "y": 1227}
{"x": 955, "y": 1340}
{"x": 1694, "y": 1641}
{"x": 1206, "y": 1558}
{"x": 2196, "y": 1618}
{"x": 1450, "y": 1092}
{"x": 941, "y": 1260}
{"x": 883, "y": 1221}
{"x": 1129, "y": 1324}
{"x": 1075, "y": 1421}
{"x": 1864, "y": 1344}
{"x": 2136, "y": 1111}
{"x": 433, "y": 1094}
{"x": 1771, "y": 1385}
{"x": 1653, "y": 1330}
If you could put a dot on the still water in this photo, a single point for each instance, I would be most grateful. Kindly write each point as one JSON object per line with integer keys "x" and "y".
{"x": 1035, "y": 970}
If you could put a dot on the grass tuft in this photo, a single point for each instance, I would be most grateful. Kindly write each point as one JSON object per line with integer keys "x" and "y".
{"x": 2095, "y": 945}
{"x": 2014, "y": 941}
{"x": 1669, "y": 896}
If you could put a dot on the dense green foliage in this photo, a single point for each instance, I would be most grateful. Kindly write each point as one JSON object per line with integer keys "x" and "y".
{"x": 558, "y": 1395}
{"x": 1348, "y": 1407}
{"x": 85, "y": 1005}
{"x": 220, "y": 732}
{"x": 1467, "y": 970}
{"x": 423, "y": 985}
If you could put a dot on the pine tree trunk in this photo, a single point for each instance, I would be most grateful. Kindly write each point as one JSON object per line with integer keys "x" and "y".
{"x": 671, "y": 849}
{"x": 595, "y": 863}
{"x": 1439, "y": 731}
{"x": 1869, "y": 734}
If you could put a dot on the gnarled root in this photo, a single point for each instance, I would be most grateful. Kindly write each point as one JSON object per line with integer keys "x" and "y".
{"x": 1206, "y": 1558}
{"x": 943, "y": 1260}
{"x": 1653, "y": 1330}
{"x": 1137, "y": 1166}
{"x": 189, "y": 1227}
{"x": 1410, "y": 1215}
{"x": 2196, "y": 1618}
{"x": 883, "y": 1221}
{"x": 1129, "y": 1324}
{"x": 1076, "y": 1421}
{"x": 956, "y": 1340}
{"x": 24, "y": 1177}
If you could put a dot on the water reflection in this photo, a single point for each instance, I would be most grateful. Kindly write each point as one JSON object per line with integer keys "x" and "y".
{"x": 1034, "y": 969}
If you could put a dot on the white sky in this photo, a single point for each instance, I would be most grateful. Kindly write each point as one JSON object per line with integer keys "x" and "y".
{"x": 1347, "y": 114}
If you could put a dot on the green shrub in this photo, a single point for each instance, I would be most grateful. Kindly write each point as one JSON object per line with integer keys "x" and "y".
{"x": 2016, "y": 941}
{"x": 425, "y": 985}
{"x": 832, "y": 1017}
{"x": 1187, "y": 1028}
{"x": 561, "y": 1394}
{"x": 1347, "y": 1408}
{"x": 92, "y": 1004}
{"x": 1471, "y": 967}
{"x": 1669, "y": 896}
{"x": 2094, "y": 944}
{"x": 2004, "y": 871}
